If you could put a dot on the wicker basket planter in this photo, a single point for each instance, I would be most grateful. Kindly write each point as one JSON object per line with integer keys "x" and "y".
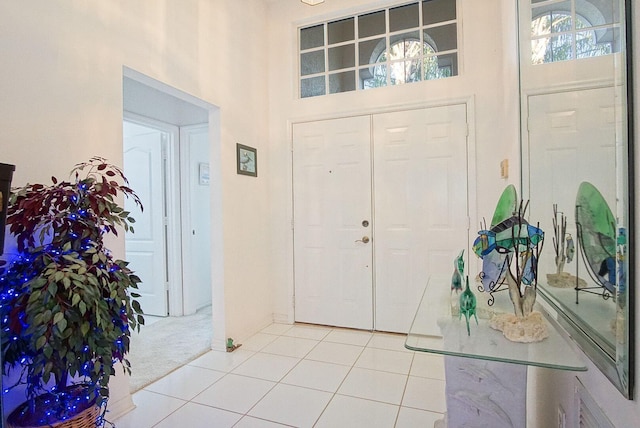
{"x": 87, "y": 416}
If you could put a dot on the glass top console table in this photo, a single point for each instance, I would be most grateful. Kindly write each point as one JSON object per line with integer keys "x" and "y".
{"x": 485, "y": 373}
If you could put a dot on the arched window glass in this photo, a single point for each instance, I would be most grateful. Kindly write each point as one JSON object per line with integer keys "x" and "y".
{"x": 406, "y": 66}
{"x": 402, "y": 44}
{"x": 568, "y": 30}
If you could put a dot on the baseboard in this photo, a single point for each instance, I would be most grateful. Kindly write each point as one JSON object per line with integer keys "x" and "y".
{"x": 115, "y": 409}
{"x": 282, "y": 319}
{"x": 218, "y": 345}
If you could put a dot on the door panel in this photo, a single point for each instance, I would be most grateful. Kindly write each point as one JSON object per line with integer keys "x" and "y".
{"x": 420, "y": 182}
{"x": 332, "y": 197}
{"x": 145, "y": 249}
{"x": 421, "y": 213}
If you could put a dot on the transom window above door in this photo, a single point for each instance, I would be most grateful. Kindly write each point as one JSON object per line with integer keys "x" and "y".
{"x": 564, "y": 30}
{"x": 402, "y": 44}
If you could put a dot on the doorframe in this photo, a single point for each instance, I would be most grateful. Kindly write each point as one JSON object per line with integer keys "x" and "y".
{"x": 218, "y": 341}
{"x": 472, "y": 200}
{"x": 171, "y": 203}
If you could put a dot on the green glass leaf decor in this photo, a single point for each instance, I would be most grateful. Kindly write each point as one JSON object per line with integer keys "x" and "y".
{"x": 507, "y": 205}
{"x": 597, "y": 233}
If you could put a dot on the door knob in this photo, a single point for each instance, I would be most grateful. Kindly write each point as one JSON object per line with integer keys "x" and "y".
{"x": 364, "y": 239}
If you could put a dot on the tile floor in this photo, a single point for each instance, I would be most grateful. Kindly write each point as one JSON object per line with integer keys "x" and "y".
{"x": 300, "y": 376}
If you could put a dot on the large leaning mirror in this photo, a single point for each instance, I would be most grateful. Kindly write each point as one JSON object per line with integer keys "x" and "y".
{"x": 574, "y": 72}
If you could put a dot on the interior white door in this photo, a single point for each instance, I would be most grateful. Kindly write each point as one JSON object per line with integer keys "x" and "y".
{"x": 571, "y": 139}
{"x": 145, "y": 249}
{"x": 332, "y": 215}
{"x": 421, "y": 205}
{"x": 196, "y": 217}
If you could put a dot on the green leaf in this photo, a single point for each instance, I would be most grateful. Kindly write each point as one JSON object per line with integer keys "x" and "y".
{"x": 84, "y": 328}
{"x": 75, "y": 299}
{"x": 37, "y": 320}
{"x": 34, "y": 296}
{"x": 83, "y": 308}
{"x": 47, "y": 351}
{"x": 62, "y": 325}
{"x": 58, "y": 317}
{"x": 40, "y": 342}
{"x": 53, "y": 288}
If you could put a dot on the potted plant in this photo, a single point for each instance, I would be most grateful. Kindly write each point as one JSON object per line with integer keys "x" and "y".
{"x": 67, "y": 307}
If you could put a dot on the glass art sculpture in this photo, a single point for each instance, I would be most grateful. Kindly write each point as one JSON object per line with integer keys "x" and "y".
{"x": 456, "y": 283}
{"x": 468, "y": 306}
{"x": 565, "y": 249}
{"x": 510, "y": 249}
{"x": 597, "y": 238}
{"x": 458, "y": 272}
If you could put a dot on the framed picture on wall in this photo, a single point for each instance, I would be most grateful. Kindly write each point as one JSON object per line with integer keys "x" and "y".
{"x": 203, "y": 174}
{"x": 247, "y": 160}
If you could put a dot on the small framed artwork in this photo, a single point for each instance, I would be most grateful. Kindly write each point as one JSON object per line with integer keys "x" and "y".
{"x": 247, "y": 160}
{"x": 203, "y": 174}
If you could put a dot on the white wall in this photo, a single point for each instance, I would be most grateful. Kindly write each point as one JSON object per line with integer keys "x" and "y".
{"x": 61, "y": 92}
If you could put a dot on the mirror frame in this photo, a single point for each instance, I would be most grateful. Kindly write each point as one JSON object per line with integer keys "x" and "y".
{"x": 622, "y": 376}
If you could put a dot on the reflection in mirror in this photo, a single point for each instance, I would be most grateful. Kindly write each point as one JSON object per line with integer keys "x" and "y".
{"x": 575, "y": 151}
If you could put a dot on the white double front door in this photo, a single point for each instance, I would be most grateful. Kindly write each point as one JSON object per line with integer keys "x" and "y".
{"x": 380, "y": 203}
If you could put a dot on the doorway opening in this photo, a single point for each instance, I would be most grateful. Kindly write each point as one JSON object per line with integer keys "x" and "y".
{"x": 171, "y": 151}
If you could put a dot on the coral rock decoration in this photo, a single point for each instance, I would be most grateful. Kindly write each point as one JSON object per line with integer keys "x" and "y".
{"x": 510, "y": 250}
{"x": 66, "y": 306}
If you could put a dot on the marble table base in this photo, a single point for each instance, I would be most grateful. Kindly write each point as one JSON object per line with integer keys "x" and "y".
{"x": 483, "y": 393}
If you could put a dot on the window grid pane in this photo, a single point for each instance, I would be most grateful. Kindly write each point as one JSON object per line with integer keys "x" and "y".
{"x": 312, "y": 63}
{"x": 403, "y": 17}
{"x": 372, "y": 24}
{"x": 341, "y": 31}
{"x": 381, "y": 48}
{"x": 312, "y": 37}
{"x": 312, "y": 87}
